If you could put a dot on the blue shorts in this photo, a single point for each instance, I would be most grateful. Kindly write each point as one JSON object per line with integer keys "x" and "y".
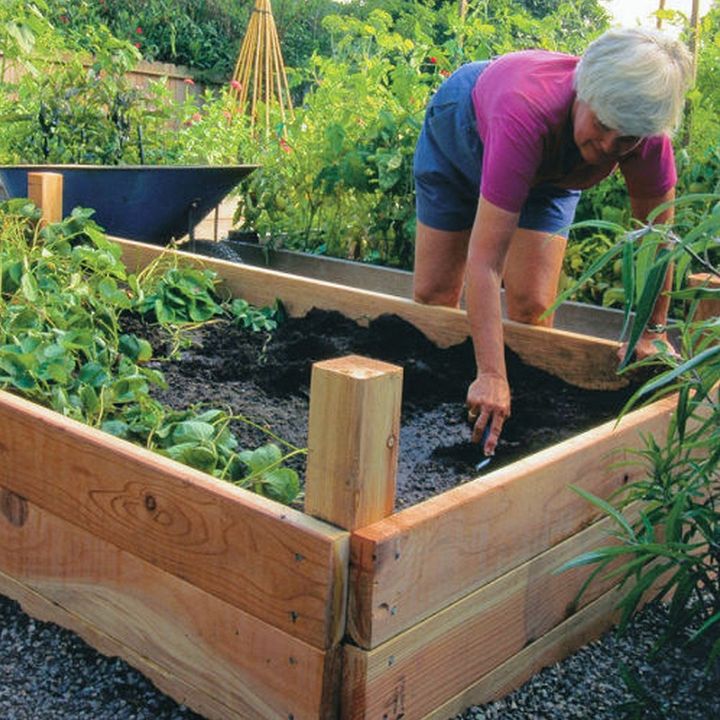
{"x": 448, "y": 165}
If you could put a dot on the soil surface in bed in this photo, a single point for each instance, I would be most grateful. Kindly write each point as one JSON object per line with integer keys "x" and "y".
{"x": 266, "y": 378}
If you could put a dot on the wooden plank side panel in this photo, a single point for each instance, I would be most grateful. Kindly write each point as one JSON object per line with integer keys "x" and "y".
{"x": 199, "y": 649}
{"x": 266, "y": 559}
{"x": 484, "y": 629}
{"x": 578, "y": 359}
{"x": 40, "y": 608}
{"x": 420, "y": 560}
{"x": 582, "y": 628}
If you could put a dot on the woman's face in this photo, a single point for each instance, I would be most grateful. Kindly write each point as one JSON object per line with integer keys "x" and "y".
{"x": 598, "y": 144}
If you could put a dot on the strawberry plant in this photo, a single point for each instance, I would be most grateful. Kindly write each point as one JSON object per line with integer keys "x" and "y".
{"x": 256, "y": 318}
{"x": 64, "y": 293}
{"x": 179, "y": 295}
{"x": 266, "y": 474}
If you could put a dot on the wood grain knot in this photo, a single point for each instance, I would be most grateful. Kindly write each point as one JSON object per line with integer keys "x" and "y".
{"x": 14, "y": 507}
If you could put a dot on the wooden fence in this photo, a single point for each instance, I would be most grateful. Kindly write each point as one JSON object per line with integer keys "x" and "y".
{"x": 145, "y": 72}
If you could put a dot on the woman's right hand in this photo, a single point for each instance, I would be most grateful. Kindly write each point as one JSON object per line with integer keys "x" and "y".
{"x": 488, "y": 401}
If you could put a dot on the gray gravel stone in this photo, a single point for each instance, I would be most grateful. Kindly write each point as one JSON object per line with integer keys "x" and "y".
{"x": 47, "y": 673}
{"x": 589, "y": 684}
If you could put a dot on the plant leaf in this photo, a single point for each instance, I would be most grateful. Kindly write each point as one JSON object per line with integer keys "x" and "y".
{"x": 686, "y": 367}
{"x": 650, "y": 292}
{"x": 607, "y": 508}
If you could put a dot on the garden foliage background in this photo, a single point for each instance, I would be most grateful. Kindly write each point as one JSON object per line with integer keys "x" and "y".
{"x": 336, "y": 178}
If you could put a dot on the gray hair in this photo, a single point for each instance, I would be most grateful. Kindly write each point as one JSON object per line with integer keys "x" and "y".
{"x": 635, "y": 80}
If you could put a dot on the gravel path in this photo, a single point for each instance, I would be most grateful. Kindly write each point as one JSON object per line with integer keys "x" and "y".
{"x": 47, "y": 673}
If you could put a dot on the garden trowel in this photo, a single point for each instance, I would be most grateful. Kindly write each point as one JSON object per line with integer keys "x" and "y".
{"x": 486, "y": 458}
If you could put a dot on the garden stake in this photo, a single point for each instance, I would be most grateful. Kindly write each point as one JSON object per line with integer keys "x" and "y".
{"x": 260, "y": 62}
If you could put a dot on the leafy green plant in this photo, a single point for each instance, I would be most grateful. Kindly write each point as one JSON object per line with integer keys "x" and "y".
{"x": 256, "y": 318}
{"x": 23, "y": 26}
{"x": 204, "y": 35}
{"x": 673, "y": 549}
{"x": 81, "y": 106}
{"x": 642, "y": 705}
{"x": 195, "y": 439}
{"x": 179, "y": 295}
{"x": 74, "y": 109}
{"x": 340, "y": 180}
{"x": 605, "y": 287}
{"x": 63, "y": 294}
{"x": 266, "y": 476}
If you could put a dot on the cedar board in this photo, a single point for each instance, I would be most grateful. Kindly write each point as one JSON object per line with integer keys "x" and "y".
{"x": 420, "y": 560}
{"x": 275, "y": 563}
{"x": 200, "y": 647}
{"x": 485, "y": 628}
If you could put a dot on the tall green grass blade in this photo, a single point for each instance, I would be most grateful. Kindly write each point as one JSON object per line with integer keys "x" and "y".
{"x": 697, "y": 293}
{"x": 630, "y": 603}
{"x": 601, "y": 555}
{"x": 689, "y": 199}
{"x": 705, "y": 627}
{"x": 628, "y": 280}
{"x": 607, "y": 508}
{"x": 694, "y": 362}
{"x": 650, "y": 292}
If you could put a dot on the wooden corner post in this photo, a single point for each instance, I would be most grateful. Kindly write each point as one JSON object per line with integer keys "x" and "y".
{"x": 353, "y": 438}
{"x": 45, "y": 189}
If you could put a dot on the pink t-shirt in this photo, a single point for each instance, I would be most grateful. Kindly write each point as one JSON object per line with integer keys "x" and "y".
{"x": 523, "y": 104}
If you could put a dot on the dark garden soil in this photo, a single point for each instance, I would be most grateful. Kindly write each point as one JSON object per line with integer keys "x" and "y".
{"x": 266, "y": 378}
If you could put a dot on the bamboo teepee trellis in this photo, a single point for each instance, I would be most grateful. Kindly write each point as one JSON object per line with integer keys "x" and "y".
{"x": 260, "y": 72}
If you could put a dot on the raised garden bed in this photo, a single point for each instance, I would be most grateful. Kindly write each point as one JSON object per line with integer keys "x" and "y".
{"x": 240, "y": 607}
